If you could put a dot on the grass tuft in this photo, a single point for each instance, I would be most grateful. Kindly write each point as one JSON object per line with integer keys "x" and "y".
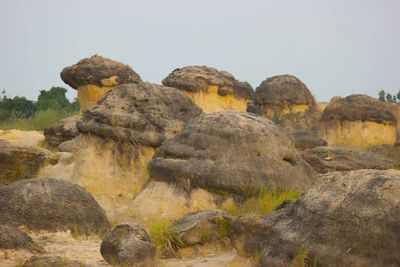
{"x": 165, "y": 237}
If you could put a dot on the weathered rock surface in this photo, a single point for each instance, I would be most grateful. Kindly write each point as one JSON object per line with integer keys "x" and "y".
{"x": 53, "y": 205}
{"x": 330, "y": 159}
{"x": 202, "y": 226}
{"x": 13, "y": 238}
{"x": 209, "y": 88}
{"x": 98, "y": 70}
{"x": 231, "y": 151}
{"x": 62, "y": 131}
{"x": 141, "y": 113}
{"x": 344, "y": 219}
{"x": 305, "y": 140}
{"x": 128, "y": 244}
{"x": 390, "y": 151}
{"x": 51, "y": 261}
{"x": 19, "y": 161}
{"x": 358, "y": 121}
{"x": 283, "y": 91}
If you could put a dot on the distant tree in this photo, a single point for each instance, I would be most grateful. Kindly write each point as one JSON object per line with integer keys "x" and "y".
{"x": 382, "y": 95}
{"x": 248, "y": 87}
{"x": 389, "y": 97}
{"x": 52, "y": 99}
{"x": 18, "y": 107}
{"x": 398, "y": 95}
{"x": 3, "y": 94}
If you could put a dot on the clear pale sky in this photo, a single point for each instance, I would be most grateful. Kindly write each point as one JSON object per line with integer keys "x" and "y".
{"x": 336, "y": 47}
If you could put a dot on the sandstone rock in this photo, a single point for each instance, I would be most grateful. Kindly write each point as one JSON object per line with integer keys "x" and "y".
{"x": 358, "y": 121}
{"x": 390, "y": 151}
{"x": 49, "y": 204}
{"x": 62, "y": 131}
{"x": 119, "y": 136}
{"x": 344, "y": 219}
{"x": 210, "y": 89}
{"x": 13, "y": 238}
{"x": 20, "y": 161}
{"x": 329, "y": 159}
{"x": 128, "y": 244}
{"x": 141, "y": 113}
{"x": 51, "y": 261}
{"x": 94, "y": 76}
{"x": 201, "y": 227}
{"x": 288, "y": 102}
{"x": 231, "y": 151}
{"x": 305, "y": 140}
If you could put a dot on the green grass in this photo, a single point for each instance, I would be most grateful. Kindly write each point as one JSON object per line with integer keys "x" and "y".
{"x": 264, "y": 202}
{"x": 41, "y": 120}
{"x": 164, "y": 237}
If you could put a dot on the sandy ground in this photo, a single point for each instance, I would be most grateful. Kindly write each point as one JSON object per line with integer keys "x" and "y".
{"x": 87, "y": 251}
{"x": 27, "y": 138}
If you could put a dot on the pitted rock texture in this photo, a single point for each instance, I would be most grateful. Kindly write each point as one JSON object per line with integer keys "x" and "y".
{"x": 344, "y": 219}
{"x": 143, "y": 113}
{"x": 283, "y": 90}
{"x": 306, "y": 140}
{"x": 128, "y": 245}
{"x": 96, "y": 68}
{"x": 196, "y": 78}
{"x": 13, "y": 238}
{"x": 52, "y": 261}
{"x": 53, "y": 205}
{"x": 329, "y": 159}
{"x": 62, "y": 131}
{"x": 358, "y": 108}
{"x": 231, "y": 151}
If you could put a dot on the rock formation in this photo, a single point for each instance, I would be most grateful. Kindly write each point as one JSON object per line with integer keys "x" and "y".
{"x": 62, "y": 131}
{"x": 19, "y": 161}
{"x": 306, "y": 140}
{"x": 118, "y": 138}
{"x": 212, "y": 90}
{"x": 330, "y": 159}
{"x": 344, "y": 219}
{"x": 231, "y": 151}
{"x": 52, "y": 261}
{"x": 358, "y": 121}
{"x": 94, "y": 76}
{"x": 13, "y": 238}
{"x": 128, "y": 245}
{"x": 288, "y": 102}
{"x": 53, "y": 205}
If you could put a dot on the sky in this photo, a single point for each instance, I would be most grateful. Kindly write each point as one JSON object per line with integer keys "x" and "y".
{"x": 336, "y": 47}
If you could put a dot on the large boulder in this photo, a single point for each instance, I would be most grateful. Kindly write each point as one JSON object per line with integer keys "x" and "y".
{"x": 358, "y": 121}
{"x": 19, "y": 161}
{"x": 344, "y": 219}
{"x": 329, "y": 159}
{"x": 119, "y": 137}
{"x": 13, "y": 238}
{"x": 94, "y": 76}
{"x": 62, "y": 131}
{"x": 53, "y": 205}
{"x": 52, "y": 261}
{"x": 231, "y": 151}
{"x": 210, "y": 89}
{"x": 128, "y": 245}
{"x": 288, "y": 102}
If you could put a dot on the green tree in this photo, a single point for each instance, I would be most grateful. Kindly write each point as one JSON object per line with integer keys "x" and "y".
{"x": 389, "y": 97}
{"x": 18, "y": 107}
{"x": 249, "y": 88}
{"x": 53, "y": 99}
{"x": 382, "y": 95}
{"x": 398, "y": 95}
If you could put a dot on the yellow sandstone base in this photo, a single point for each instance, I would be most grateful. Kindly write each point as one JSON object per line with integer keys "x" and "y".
{"x": 271, "y": 111}
{"x": 211, "y": 101}
{"x": 358, "y": 134}
{"x": 88, "y": 95}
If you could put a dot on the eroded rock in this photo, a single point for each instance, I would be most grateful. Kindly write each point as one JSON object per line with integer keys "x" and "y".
{"x": 305, "y": 140}
{"x": 53, "y": 205}
{"x": 13, "y": 238}
{"x": 62, "y": 131}
{"x": 52, "y": 261}
{"x": 209, "y": 88}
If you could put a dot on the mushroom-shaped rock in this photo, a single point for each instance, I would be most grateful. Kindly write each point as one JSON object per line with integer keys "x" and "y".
{"x": 210, "y": 89}
{"x": 53, "y": 205}
{"x": 358, "y": 121}
{"x": 128, "y": 245}
{"x": 52, "y": 261}
{"x": 328, "y": 159}
{"x": 19, "y": 161}
{"x": 343, "y": 219}
{"x": 62, "y": 131}
{"x": 13, "y": 238}
{"x": 94, "y": 76}
{"x": 232, "y": 151}
{"x": 202, "y": 227}
{"x": 119, "y": 136}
